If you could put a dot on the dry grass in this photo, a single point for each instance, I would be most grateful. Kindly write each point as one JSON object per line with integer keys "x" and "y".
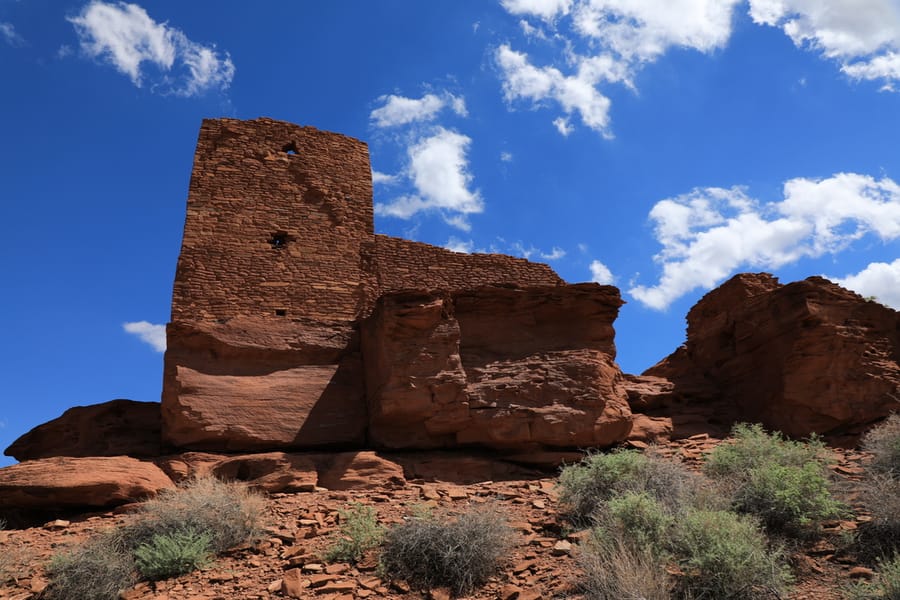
{"x": 883, "y": 441}
{"x": 620, "y": 571}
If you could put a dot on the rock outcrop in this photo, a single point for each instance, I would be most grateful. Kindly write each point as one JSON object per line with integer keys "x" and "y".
{"x": 806, "y": 357}
{"x": 114, "y": 428}
{"x": 79, "y": 482}
{"x": 506, "y": 368}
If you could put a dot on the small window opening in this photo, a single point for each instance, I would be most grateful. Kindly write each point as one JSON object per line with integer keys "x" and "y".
{"x": 279, "y": 239}
{"x": 280, "y": 312}
{"x": 290, "y": 149}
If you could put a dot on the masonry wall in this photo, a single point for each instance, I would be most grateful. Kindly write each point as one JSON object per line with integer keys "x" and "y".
{"x": 403, "y": 264}
{"x": 276, "y": 216}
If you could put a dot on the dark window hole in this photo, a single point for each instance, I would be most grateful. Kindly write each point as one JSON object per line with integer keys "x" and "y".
{"x": 280, "y": 312}
{"x": 290, "y": 149}
{"x": 279, "y": 239}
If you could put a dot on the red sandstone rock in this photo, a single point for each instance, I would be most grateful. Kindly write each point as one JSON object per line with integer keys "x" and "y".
{"x": 77, "y": 482}
{"x": 271, "y": 472}
{"x": 508, "y": 368}
{"x": 358, "y": 471}
{"x": 805, "y": 357}
{"x": 114, "y": 428}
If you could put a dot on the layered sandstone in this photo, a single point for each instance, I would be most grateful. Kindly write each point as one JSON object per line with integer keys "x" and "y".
{"x": 806, "y": 357}
{"x": 114, "y": 428}
{"x": 506, "y": 368}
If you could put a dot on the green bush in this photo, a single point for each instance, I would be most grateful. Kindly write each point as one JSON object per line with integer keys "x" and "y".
{"x": 785, "y": 483}
{"x": 889, "y": 578}
{"x": 616, "y": 570}
{"x": 359, "y": 532}
{"x": 585, "y": 486}
{"x": 725, "y": 556}
{"x": 460, "y": 553}
{"x": 636, "y": 517}
{"x": 883, "y": 441}
{"x": 97, "y": 570}
{"x": 172, "y": 554}
{"x": 228, "y": 513}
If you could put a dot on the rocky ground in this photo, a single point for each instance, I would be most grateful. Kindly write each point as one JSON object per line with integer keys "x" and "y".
{"x": 288, "y": 562}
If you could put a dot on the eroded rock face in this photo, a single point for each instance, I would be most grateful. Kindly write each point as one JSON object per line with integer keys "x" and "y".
{"x": 114, "y": 428}
{"x": 253, "y": 384}
{"x": 804, "y": 357}
{"x": 78, "y": 482}
{"x": 506, "y": 368}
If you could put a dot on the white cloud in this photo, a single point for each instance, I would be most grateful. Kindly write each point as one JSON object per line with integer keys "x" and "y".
{"x": 126, "y": 37}
{"x": 506, "y": 157}
{"x": 881, "y": 280}
{"x": 622, "y": 36}
{"x": 554, "y": 254}
{"x": 455, "y": 244}
{"x": 864, "y": 37}
{"x": 399, "y": 110}
{"x": 574, "y": 93}
{"x": 601, "y": 274}
{"x": 10, "y": 35}
{"x": 545, "y": 9}
{"x": 379, "y": 178}
{"x": 439, "y": 171}
{"x": 708, "y": 234}
{"x": 155, "y": 335}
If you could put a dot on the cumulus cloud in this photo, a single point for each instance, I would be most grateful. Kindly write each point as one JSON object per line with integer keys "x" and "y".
{"x": 879, "y": 280}
{"x": 438, "y": 169}
{"x": 455, "y": 244}
{"x": 9, "y": 34}
{"x": 126, "y": 37}
{"x": 863, "y": 37}
{"x": 379, "y": 178}
{"x": 601, "y": 274}
{"x": 399, "y": 110}
{"x": 709, "y": 233}
{"x": 620, "y": 36}
{"x": 152, "y": 334}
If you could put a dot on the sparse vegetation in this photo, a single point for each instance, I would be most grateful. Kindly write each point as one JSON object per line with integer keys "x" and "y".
{"x": 173, "y": 534}
{"x": 783, "y": 482}
{"x": 614, "y": 570}
{"x": 460, "y": 553}
{"x": 171, "y": 554}
{"x": 725, "y": 556}
{"x": 889, "y": 578}
{"x": 97, "y": 570}
{"x": 586, "y": 486}
{"x": 883, "y": 441}
{"x": 359, "y": 532}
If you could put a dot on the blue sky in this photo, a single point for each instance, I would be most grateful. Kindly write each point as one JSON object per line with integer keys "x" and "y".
{"x": 661, "y": 146}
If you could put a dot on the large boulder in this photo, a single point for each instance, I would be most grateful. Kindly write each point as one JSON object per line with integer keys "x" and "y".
{"x": 252, "y": 385}
{"x": 806, "y": 357}
{"x": 505, "y": 368}
{"x": 65, "y": 482}
{"x": 114, "y": 428}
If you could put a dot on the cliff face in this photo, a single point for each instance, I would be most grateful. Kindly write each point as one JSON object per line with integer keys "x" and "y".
{"x": 806, "y": 357}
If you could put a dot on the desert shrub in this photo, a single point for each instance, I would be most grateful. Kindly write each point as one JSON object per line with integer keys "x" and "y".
{"x": 438, "y": 551}
{"x": 783, "y": 482}
{"x": 883, "y": 441}
{"x": 172, "y": 554}
{"x": 724, "y": 556}
{"x": 616, "y": 570}
{"x": 889, "y": 577}
{"x": 97, "y": 570}
{"x": 228, "y": 513}
{"x": 636, "y": 517}
{"x": 585, "y": 486}
{"x": 359, "y": 532}
{"x": 881, "y": 496}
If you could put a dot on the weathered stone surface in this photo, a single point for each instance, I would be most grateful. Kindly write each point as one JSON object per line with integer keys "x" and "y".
{"x": 271, "y": 472}
{"x": 250, "y": 384}
{"x": 358, "y": 471}
{"x": 114, "y": 428}
{"x": 76, "y": 482}
{"x": 805, "y": 357}
{"x": 507, "y": 368}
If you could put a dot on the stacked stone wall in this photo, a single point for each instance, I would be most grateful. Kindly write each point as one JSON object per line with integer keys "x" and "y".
{"x": 276, "y": 217}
